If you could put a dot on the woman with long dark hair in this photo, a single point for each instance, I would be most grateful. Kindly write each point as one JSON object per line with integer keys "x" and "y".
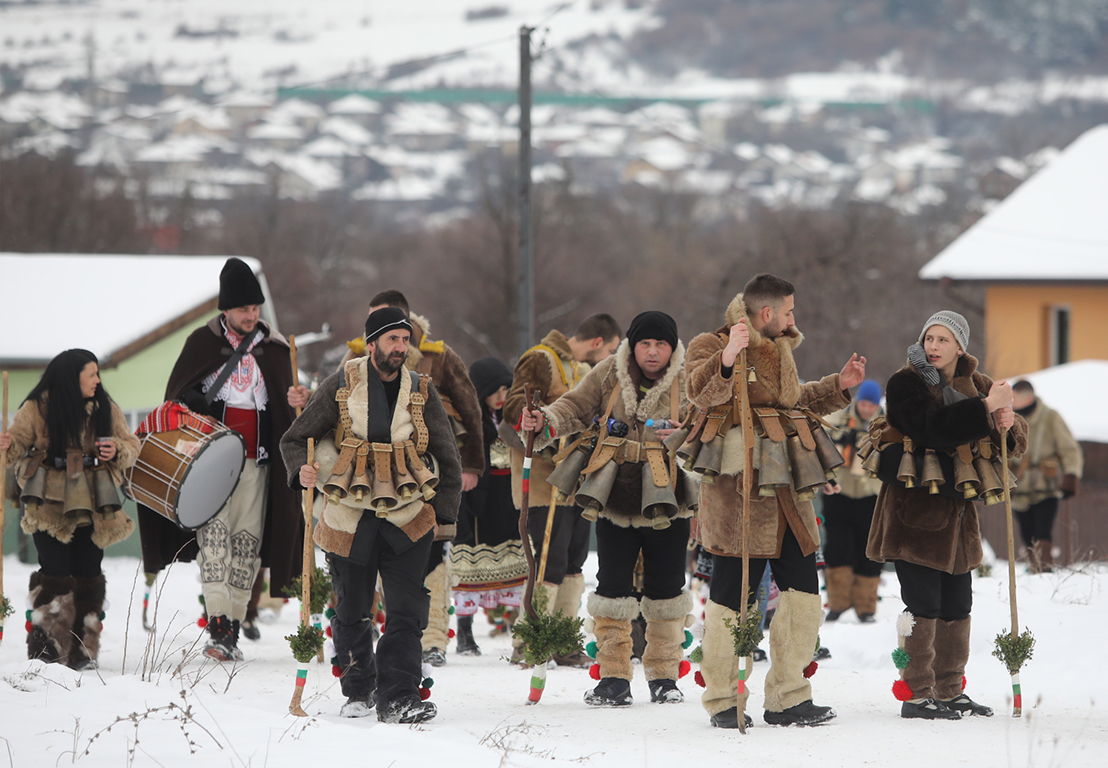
{"x": 69, "y": 444}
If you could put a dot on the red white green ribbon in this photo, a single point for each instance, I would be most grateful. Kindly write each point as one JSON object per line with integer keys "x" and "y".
{"x": 525, "y": 486}
{"x": 1017, "y": 696}
{"x": 538, "y": 683}
{"x": 301, "y": 674}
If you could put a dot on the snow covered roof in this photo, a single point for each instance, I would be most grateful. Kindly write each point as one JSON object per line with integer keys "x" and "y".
{"x": 1065, "y": 388}
{"x": 1052, "y": 227}
{"x": 173, "y": 287}
{"x": 354, "y": 104}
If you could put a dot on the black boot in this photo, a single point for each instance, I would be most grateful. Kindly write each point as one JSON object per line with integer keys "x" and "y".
{"x": 467, "y": 646}
{"x": 929, "y": 709}
{"x": 729, "y": 718}
{"x": 967, "y": 706}
{"x": 221, "y": 640}
{"x": 407, "y": 711}
{"x": 805, "y": 713}
{"x": 665, "y": 692}
{"x": 612, "y": 692}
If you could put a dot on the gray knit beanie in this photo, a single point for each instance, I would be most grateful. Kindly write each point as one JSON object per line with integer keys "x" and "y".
{"x": 952, "y": 320}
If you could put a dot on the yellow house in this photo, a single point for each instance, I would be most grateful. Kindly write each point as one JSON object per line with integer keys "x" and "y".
{"x": 1043, "y": 256}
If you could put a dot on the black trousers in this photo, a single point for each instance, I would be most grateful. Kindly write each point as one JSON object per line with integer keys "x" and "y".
{"x": 435, "y": 556}
{"x": 1037, "y": 523}
{"x": 80, "y": 557}
{"x": 931, "y": 594}
{"x": 395, "y": 671}
{"x": 792, "y": 570}
{"x": 663, "y": 554}
{"x": 569, "y": 541}
{"x": 846, "y": 524}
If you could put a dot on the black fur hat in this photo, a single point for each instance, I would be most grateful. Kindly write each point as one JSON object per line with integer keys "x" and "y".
{"x": 238, "y": 286}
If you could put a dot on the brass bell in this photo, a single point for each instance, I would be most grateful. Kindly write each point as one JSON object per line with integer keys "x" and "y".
{"x": 827, "y": 452}
{"x": 932, "y": 472}
{"x": 709, "y": 459}
{"x": 871, "y": 461}
{"x": 691, "y": 488}
{"x": 405, "y": 482}
{"x": 965, "y": 478}
{"x": 807, "y": 473}
{"x": 34, "y": 490}
{"x": 361, "y": 484}
{"x": 594, "y": 491}
{"x": 659, "y": 503}
{"x": 337, "y": 487}
{"x": 676, "y": 439}
{"x": 906, "y": 473}
{"x": 566, "y": 475}
{"x": 688, "y": 452}
{"x": 105, "y": 492}
{"x": 991, "y": 488}
{"x": 774, "y": 468}
{"x": 424, "y": 476}
{"x": 383, "y": 496}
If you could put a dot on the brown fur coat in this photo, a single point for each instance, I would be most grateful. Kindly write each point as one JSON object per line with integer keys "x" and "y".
{"x": 931, "y": 529}
{"x": 575, "y": 411}
{"x": 778, "y": 385}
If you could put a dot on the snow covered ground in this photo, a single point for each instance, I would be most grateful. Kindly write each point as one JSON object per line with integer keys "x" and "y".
{"x": 166, "y": 707}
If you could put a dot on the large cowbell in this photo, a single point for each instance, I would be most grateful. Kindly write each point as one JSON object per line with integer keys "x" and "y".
{"x": 567, "y": 474}
{"x": 709, "y": 460}
{"x": 659, "y": 503}
{"x": 594, "y": 492}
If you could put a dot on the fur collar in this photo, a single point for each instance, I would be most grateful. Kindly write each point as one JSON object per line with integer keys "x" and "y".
{"x": 772, "y": 358}
{"x": 629, "y": 387}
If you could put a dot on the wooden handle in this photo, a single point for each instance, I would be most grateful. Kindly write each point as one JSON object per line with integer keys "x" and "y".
{"x": 1011, "y": 534}
{"x": 295, "y": 367}
{"x": 309, "y": 546}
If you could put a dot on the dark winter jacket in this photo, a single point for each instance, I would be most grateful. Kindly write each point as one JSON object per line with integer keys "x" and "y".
{"x": 912, "y": 524}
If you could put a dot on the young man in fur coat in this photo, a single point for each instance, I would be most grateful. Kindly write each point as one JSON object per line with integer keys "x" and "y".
{"x": 553, "y": 367}
{"x": 782, "y": 527}
{"x": 940, "y": 402}
{"x": 446, "y": 369}
{"x": 377, "y": 408}
{"x": 644, "y": 380}
{"x": 260, "y": 525}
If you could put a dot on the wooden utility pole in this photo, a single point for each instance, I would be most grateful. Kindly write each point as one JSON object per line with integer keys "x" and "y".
{"x": 526, "y": 236}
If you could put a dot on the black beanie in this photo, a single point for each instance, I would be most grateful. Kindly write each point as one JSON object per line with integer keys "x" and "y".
{"x": 239, "y": 286}
{"x": 653, "y": 325}
{"x": 385, "y": 319}
{"x": 488, "y": 375}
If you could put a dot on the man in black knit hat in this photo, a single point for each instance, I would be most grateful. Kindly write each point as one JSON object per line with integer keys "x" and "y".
{"x": 260, "y": 525}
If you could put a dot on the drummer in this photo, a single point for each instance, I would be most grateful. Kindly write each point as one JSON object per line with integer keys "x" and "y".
{"x": 260, "y": 525}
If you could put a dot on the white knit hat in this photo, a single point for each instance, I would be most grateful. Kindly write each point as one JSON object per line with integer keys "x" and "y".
{"x": 952, "y": 320}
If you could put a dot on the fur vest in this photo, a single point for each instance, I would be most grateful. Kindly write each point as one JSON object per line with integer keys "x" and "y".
{"x": 575, "y": 411}
{"x": 931, "y": 529}
{"x": 777, "y": 385}
{"x": 31, "y": 441}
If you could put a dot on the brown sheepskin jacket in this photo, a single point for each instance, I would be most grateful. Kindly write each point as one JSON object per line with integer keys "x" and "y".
{"x": 778, "y": 385}
{"x": 575, "y": 411}
{"x": 540, "y": 371}
{"x": 911, "y": 524}
{"x": 30, "y": 433}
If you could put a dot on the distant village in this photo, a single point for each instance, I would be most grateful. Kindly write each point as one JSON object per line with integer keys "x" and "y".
{"x": 423, "y": 161}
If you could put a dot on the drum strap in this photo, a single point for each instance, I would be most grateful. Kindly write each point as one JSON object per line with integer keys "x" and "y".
{"x": 229, "y": 367}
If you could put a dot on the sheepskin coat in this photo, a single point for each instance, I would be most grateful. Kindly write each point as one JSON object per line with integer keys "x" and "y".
{"x": 30, "y": 434}
{"x": 539, "y": 370}
{"x": 778, "y": 385}
{"x": 911, "y": 524}
{"x": 576, "y": 411}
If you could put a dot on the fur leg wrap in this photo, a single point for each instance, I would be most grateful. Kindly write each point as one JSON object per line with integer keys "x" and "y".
{"x": 792, "y": 641}
{"x": 951, "y": 654}
{"x": 720, "y": 665}
{"x": 863, "y": 594}
{"x": 919, "y": 644}
{"x": 839, "y": 580}
{"x": 665, "y": 635}
{"x": 52, "y": 618}
{"x": 570, "y": 592}
{"x": 438, "y": 615}
{"x": 612, "y": 618}
{"x": 88, "y": 598}
{"x": 552, "y": 591}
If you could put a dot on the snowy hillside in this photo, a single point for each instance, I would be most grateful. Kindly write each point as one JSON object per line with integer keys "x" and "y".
{"x": 198, "y": 713}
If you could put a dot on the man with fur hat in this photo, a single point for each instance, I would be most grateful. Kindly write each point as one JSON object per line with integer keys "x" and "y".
{"x": 939, "y": 403}
{"x": 260, "y": 525}
{"x": 782, "y": 526}
{"x": 852, "y": 578}
{"x": 553, "y": 367}
{"x": 388, "y": 467}
{"x": 642, "y": 387}
{"x": 446, "y": 369}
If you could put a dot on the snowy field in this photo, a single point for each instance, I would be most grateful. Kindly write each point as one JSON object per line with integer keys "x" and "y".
{"x": 157, "y": 704}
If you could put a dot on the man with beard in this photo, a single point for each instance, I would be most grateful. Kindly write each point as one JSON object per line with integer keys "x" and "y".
{"x": 782, "y": 526}
{"x": 553, "y": 367}
{"x": 388, "y": 467}
{"x": 238, "y": 370}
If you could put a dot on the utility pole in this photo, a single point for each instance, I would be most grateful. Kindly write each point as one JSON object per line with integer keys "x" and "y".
{"x": 526, "y": 236}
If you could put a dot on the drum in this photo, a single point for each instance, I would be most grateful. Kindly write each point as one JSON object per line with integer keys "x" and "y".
{"x": 187, "y": 474}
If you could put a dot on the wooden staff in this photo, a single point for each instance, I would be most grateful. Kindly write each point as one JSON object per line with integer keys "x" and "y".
{"x": 3, "y": 499}
{"x": 309, "y": 499}
{"x": 1017, "y": 693}
{"x": 532, "y": 401}
{"x": 747, "y": 665}
{"x": 549, "y": 528}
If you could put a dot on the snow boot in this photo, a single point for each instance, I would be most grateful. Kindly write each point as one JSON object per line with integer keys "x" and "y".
{"x": 863, "y": 595}
{"x": 466, "y": 646}
{"x": 729, "y": 718}
{"x": 88, "y": 602}
{"x": 928, "y": 709}
{"x": 665, "y": 638}
{"x": 719, "y": 665}
{"x": 664, "y": 691}
{"x": 611, "y": 620}
{"x": 407, "y": 711}
{"x": 221, "y": 640}
{"x": 839, "y": 580}
{"x": 804, "y": 713}
{"x": 359, "y": 706}
{"x": 50, "y": 636}
{"x": 611, "y": 692}
{"x": 436, "y": 657}
{"x": 965, "y": 705}
{"x": 792, "y": 636}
